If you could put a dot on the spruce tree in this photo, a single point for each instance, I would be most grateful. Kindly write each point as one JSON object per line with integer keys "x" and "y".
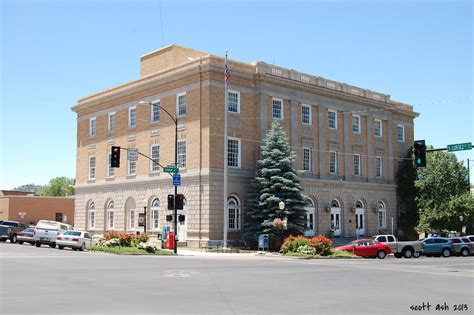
{"x": 276, "y": 180}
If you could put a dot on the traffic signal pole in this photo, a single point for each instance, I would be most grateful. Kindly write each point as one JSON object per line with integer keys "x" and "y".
{"x": 175, "y": 187}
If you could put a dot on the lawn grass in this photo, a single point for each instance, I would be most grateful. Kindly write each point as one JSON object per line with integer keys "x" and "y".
{"x": 127, "y": 250}
{"x": 335, "y": 254}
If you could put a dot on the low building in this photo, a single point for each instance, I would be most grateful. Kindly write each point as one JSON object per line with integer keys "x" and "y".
{"x": 348, "y": 143}
{"x": 29, "y": 209}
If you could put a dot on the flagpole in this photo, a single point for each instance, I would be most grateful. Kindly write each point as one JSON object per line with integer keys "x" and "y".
{"x": 226, "y": 210}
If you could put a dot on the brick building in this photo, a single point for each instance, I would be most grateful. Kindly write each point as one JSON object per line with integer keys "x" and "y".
{"x": 347, "y": 141}
{"x": 28, "y": 208}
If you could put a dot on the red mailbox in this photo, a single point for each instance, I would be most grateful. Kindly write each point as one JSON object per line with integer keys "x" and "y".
{"x": 169, "y": 240}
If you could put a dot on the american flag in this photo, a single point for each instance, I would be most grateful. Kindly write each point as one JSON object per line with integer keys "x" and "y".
{"x": 226, "y": 73}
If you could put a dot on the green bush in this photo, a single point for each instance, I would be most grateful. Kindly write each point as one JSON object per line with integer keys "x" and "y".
{"x": 322, "y": 245}
{"x": 292, "y": 243}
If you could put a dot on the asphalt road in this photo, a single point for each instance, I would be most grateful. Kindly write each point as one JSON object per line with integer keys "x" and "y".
{"x": 44, "y": 280}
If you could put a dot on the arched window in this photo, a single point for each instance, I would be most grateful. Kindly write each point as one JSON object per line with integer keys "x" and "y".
{"x": 234, "y": 213}
{"x": 155, "y": 213}
{"x": 359, "y": 204}
{"x": 110, "y": 215}
{"x": 91, "y": 215}
{"x": 335, "y": 204}
{"x": 382, "y": 210}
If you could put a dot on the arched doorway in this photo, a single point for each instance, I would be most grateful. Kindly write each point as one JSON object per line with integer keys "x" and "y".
{"x": 110, "y": 223}
{"x": 382, "y": 212}
{"x": 310, "y": 219}
{"x": 336, "y": 218}
{"x": 234, "y": 212}
{"x": 91, "y": 216}
{"x": 154, "y": 224}
{"x": 130, "y": 213}
{"x": 360, "y": 218}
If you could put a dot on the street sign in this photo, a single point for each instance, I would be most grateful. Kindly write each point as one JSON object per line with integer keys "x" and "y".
{"x": 132, "y": 154}
{"x": 171, "y": 169}
{"x": 177, "y": 180}
{"x": 459, "y": 147}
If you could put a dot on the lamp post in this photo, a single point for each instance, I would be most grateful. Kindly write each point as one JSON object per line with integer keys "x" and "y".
{"x": 145, "y": 202}
{"x": 175, "y": 120}
{"x": 281, "y": 206}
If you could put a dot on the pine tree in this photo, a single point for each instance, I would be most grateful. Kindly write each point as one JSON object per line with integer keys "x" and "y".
{"x": 276, "y": 181}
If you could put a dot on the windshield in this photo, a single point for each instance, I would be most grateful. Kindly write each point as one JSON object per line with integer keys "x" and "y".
{"x": 28, "y": 230}
{"x": 47, "y": 225}
{"x": 73, "y": 233}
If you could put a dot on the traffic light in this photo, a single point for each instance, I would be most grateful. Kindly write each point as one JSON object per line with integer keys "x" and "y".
{"x": 181, "y": 218}
{"x": 179, "y": 201}
{"x": 420, "y": 153}
{"x": 115, "y": 160}
{"x": 169, "y": 218}
{"x": 170, "y": 202}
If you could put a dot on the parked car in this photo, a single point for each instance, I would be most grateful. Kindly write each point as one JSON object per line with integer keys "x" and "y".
{"x": 462, "y": 246}
{"x": 26, "y": 236}
{"x": 75, "y": 240}
{"x": 9, "y": 230}
{"x": 400, "y": 249}
{"x": 367, "y": 248}
{"x": 470, "y": 238}
{"x": 437, "y": 246}
{"x": 46, "y": 232}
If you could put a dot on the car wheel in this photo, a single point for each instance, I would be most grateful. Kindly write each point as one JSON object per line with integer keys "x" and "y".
{"x": 38, "y": 244}
{"x": 381, "y": 254}
{"x": 398, "y": 255}
{"x": 13, "y": 239}
{"x": 83, "y": 246}
{"x": 408, "y": 253}
{"x": 465, "y": 252}
{"x": 53, "y": 245}
{"x": 416, "y": 254}
{"x": 20, "y": 242}
{"x": 60, "y": 247}
{"x": 446, "y": 252}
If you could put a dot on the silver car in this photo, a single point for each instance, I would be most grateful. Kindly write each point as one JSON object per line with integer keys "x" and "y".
{"x": 26, "y": 236}
{"x": 75, "y": 240}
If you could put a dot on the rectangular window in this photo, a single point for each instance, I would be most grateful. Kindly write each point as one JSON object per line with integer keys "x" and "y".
{"x": 377, "y": 127}
{"x": 132, "y": 117}
{"x": 332, "y": 119}
{"x": 155, "y": 156}
{"x": 356, "y": 123}
{"x": 92, "y": 127}
{"x": 110, "y": 219}
{"x": 233, "y": 152}
{"x": 382, "y": 219}
{"x": 306, "y": 114}
{"x": 91, "y": 167}
{"x": 401, "y": 133}
{"x": 357, "y": 164}
{"x": 378, "y": 166}
{"x": 307, "y": 158}
{"x": 155, "y": 215}
{"x": 155, "y": 111}
{"x": 182, "y": 153}
{"x": 132, "y": 219}
{"x": 277, "y": 109}
{"x": 234, "y": 218}
{"x": 132, "y": 167}
{"x": 110, "y": 170}
{"x": 181, "y": 104}
{"x": 111, "y": 125}
{"x": 91, "y": 219}
{"x": 333, "y": 162}
{"x": 233, "y": 102}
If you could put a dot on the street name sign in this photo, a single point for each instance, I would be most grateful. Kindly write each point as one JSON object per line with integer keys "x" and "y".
{"x": 132, "y": 154}
{"x": 459, "y": 147}
{"x": 171, "y": 169}
{"x": 177, "y": 180}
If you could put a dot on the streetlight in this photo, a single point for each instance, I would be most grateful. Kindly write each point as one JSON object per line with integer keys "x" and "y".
{"x": 175, "y": 120}
{"x": 145, "y": 203}
{"x": 281, "y": 206}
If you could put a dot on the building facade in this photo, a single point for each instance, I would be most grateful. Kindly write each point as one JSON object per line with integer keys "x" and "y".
{"x": 348, "y": 142}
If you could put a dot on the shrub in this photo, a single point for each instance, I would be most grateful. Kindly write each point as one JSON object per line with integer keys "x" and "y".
{"x": 306, "y": 249}
{"x": 125, "y": 239}
{"x": 114, "y": 242}
{"x": 149, "y": 247}
{"x": 110, "y": 235}
{"x": 322, "y": 245}
{"x": 292, "y": 243}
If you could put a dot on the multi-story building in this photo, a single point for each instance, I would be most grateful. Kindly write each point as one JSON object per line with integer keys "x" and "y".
{"x": 348, "y": 142}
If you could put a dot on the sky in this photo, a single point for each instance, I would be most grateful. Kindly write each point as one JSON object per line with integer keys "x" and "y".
{"x": 54, "y": 53}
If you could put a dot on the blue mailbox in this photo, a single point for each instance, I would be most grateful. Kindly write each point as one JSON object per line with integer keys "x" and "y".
{"x": 263, "y": 241}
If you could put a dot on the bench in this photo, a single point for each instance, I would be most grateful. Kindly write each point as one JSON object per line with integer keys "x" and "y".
{"x": 213, "y": 244}
{"x": 238, "y": 244}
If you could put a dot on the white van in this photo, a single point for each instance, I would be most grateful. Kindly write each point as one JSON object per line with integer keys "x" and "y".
{"x": 46, "y": 232}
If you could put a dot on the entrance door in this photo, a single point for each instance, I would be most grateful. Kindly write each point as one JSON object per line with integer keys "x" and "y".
{"x": 336, "y": 221}
{"x": 360, "y": 229}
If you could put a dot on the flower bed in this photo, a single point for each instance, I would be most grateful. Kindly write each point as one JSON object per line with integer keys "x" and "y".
{"x": 123, "y": 243}
{"x": 315, "y": 247}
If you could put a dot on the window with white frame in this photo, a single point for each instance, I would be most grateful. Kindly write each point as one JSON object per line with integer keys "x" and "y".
{"x": 132, "y": 167}
{"x": 356, "y": 123}
{"x": 378, "y": 167}
{"x": 132, "y": 117}
{"x": 155, "y": 156}
{"x": 233, "y": 101}
{"x": 234, "y": 213}
{"x": 332, "y": 119}
{"x": 155, "y": 111}
{"x": 377, "y": 127}
{"x": 306, "y": 114}
{"x": 181, "y": 104}
{"x": 110, "y": 169}
{"x": 277, "y": 109}
{"x": 110, "y": 215}
{"x": 307, "y": 165}
{"x": 155, "y": 213}
{"x": 357, "y": 164}
{"x": 401, "y": 133}
{"x": 182, "y": 153}
{"x": 111, "y": 123}
{"x": 92, "y": 127}
{"x": 91, "y": 215}
{"x": 233, "y": 152}
{"x": 310, "y": 215}
{"x": 382, "y": 210}
{"x": 91, "y": 167}
{"x": 333, "y": 162}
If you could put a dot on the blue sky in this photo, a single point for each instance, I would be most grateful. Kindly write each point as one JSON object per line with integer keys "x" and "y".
{"x": 56, "y": 52}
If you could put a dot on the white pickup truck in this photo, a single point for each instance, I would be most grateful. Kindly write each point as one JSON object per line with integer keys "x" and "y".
{"x": 400, "y": 249}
